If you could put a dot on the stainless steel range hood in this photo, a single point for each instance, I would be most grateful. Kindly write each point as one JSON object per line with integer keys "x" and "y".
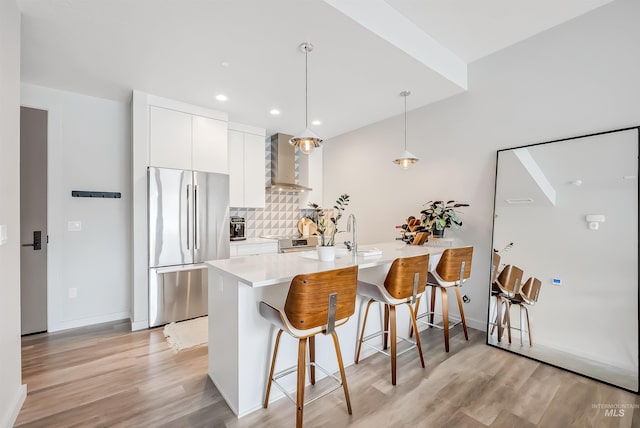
{"x": 283, "y": 165}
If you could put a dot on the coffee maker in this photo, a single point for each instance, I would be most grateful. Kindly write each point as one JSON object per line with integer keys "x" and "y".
{"x": 236, "y": 230}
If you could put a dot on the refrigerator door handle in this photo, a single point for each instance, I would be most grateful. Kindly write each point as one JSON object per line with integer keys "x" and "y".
{"x": 196, "y": 230}
{"x": 188, "y": 217}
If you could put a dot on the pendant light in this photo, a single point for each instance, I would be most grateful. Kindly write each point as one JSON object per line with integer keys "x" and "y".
{"x": 306, "y": 141}
{"x": 407, "y": 158}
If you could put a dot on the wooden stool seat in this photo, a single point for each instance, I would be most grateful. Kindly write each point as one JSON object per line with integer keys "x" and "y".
{"x": 316, "y": 303}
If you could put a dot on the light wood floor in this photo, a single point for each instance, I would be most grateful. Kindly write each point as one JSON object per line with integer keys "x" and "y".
{"x": 106, "y": 376}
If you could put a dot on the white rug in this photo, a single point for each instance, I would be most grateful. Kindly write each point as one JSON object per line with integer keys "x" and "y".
{"x": 187, "y": 334}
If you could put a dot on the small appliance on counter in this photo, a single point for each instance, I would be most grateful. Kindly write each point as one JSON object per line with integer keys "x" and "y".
{"x": 290, "y": 244}
{"x": 236, "y": 229}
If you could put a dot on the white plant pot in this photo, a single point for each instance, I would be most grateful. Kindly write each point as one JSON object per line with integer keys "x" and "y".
{"x": 326, "y": 254}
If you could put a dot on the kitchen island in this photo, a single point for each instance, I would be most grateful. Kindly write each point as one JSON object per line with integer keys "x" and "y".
{"x": 241, "y": 341}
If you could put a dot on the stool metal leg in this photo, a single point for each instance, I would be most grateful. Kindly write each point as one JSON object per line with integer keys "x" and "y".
{"x": 342, "y": 374}
{"x": 312, "y": 359}
{"x": 302, "y": 362}
{"x": 385, "y": 336}
{"x": 273, "y": 366}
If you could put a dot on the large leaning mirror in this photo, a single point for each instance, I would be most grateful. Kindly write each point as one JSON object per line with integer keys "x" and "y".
{"x": 565, "y": 238}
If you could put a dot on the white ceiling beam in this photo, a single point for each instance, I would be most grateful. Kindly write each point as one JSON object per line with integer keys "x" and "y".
{"x": 532, "y": 167}
{"x": 383, "y": 20}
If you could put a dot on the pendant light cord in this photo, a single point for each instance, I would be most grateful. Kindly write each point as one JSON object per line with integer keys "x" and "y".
{"x": 306, "y": 86}
{"x": 405, "y": 123}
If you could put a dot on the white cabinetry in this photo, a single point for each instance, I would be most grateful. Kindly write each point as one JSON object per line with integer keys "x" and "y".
{"x": 187, "y": 141}
{"x": 170, "y": 138}
{"x": 209, "y": 145}
{"x": 310, "y": 168}
{"x": 252, "y": 247}
{"x": 246, "y": 166}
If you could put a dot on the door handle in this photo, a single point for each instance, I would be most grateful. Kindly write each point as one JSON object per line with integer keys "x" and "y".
{"x": 188, "y": 217}
{"x": 37, "y": 241}
{"x": 196, "y": 216}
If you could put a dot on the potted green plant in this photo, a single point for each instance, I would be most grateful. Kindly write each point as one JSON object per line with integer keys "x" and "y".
{"x": 327, "y": 222}
{"x": 440, "y": 215}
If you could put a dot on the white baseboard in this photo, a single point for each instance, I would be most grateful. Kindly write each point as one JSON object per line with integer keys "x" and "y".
{"x": 9, "y": 419}
{"x": 139, "y": 325}
{"x": 83, "y": 322}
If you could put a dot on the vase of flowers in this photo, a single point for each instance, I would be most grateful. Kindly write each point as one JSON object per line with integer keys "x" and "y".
{"x": 439, "y": 216}
{"x": 327, "y": 222}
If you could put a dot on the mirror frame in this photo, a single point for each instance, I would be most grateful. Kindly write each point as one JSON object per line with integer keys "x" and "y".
{"x": 637, "y": 129}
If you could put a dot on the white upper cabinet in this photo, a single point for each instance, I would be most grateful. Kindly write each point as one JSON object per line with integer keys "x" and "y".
{"x": 310, "y": 168}
{"x": 170, "y": 138}
{"x": 209, "y": 145}
{"x": 254, "y": 171}
{"x": 246, "y": 166}
{"x": 187, "y": 141}
{"x": 236, "y": 168}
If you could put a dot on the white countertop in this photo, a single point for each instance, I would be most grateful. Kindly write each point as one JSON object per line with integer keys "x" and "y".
{"x": 269, "y": 269}
{"x": 250, "y": 241}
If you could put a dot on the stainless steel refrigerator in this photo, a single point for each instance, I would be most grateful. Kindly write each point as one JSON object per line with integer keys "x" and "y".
{"x": 188, "y": 222}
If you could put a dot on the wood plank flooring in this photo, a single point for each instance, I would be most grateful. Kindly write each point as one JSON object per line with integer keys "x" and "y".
{"x": 107, "y": 376}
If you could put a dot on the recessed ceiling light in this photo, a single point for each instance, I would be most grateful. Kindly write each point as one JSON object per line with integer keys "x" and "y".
{"x": 275, "y": 111}
{"x": 221, "y": 97}
{"x": 225, "y": 64}
{"x": 576, "y": 182}
{"x": 629, "y": 177}
{"x": 316, "y": 122}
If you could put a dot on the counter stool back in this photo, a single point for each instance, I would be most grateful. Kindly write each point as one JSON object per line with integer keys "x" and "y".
{"x": 405, "y": 281}
{"x": 316, "y": 303}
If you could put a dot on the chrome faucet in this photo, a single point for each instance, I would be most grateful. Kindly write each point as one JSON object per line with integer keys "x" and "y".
{"x": 351, "y": 222}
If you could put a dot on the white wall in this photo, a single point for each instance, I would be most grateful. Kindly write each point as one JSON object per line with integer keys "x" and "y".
{"x": 571, "y": 80}
{"x": 89, "y": 149}
{"x": 12, "y": 393}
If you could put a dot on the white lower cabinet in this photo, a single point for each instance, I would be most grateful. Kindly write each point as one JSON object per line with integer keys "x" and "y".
{"x": 251, "y": 248}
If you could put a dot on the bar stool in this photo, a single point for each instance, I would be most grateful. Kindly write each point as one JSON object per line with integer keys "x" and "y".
{"x": 453, "y": 270}
{"x": 527, "y": 296}
{"x": 316, "y": 303}
{"x": 404, "y": 282}
{"x": 506, "y": 286}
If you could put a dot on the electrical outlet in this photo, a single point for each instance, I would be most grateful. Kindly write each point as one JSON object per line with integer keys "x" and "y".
{"x": 73, "y": 293}
{"x": 466, "y": 299}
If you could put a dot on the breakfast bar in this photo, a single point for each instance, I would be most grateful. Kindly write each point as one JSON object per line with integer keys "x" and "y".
{"x": 240, "y": 340}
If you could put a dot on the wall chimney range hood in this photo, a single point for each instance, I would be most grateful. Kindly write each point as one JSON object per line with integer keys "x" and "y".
{"x": 283, "y": 165}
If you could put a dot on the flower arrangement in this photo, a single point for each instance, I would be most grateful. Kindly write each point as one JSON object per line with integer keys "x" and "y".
{"x": 327, "y": 220}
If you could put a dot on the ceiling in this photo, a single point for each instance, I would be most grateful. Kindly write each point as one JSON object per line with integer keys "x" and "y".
{"x": 366, "y": 52}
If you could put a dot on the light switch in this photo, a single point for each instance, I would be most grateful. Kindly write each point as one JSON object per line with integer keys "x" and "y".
{"x": 3, "y": 234}
{"x": 74, "y": 226}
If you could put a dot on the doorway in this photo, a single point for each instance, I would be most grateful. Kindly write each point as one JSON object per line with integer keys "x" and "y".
{"x": 33, "y": 219}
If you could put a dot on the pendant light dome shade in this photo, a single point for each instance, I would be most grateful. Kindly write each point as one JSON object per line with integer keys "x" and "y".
{"x": 407, "y": 159}
{"x": 307, "y": 140}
